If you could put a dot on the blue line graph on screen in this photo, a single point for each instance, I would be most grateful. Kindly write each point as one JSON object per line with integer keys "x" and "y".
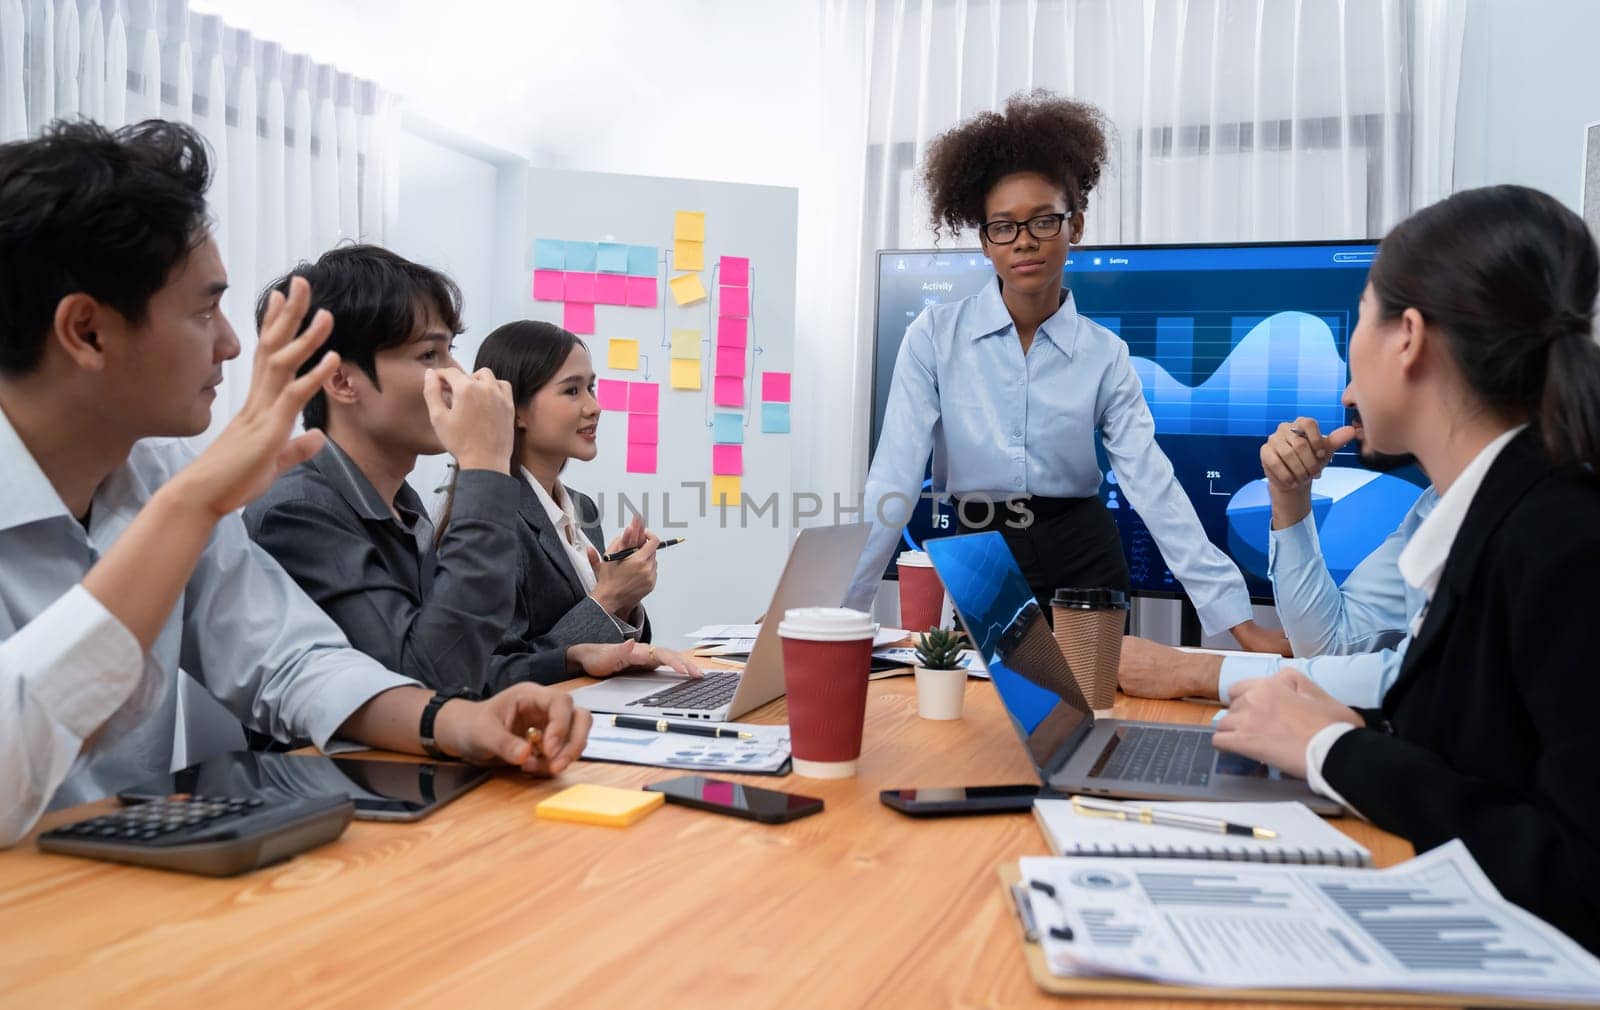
{"x": 1275, "y": 368}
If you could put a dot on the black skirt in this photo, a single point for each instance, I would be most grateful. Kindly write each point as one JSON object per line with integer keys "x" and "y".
{"x": 1059, "y": 543}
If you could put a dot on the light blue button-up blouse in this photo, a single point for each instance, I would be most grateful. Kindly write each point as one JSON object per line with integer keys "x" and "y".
{"x": 1002, "y": 423}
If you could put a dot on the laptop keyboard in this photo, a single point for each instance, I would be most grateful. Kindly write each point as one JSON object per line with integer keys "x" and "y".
{"x": 1162, "y": 756}
{"x": 711, "y": 691}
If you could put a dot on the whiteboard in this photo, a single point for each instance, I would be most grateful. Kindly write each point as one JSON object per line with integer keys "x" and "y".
{"x": 727, "y": 567}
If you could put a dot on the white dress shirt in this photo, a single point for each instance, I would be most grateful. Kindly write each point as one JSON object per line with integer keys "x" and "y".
{"x": 1421, "y": 564}
{"x": 564, "y": 517}
{"x": 82, "y": 712}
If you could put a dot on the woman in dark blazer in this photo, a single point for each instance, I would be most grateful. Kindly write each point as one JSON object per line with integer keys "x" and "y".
{"x": 565, "y": 593}
{"x": 1476, "y": 352}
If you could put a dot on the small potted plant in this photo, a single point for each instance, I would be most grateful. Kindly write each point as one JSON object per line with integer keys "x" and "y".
{"x": 941, "y": 679}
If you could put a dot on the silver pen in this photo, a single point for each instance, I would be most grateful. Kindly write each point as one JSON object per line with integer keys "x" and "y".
{"x": 1090, "y": 807}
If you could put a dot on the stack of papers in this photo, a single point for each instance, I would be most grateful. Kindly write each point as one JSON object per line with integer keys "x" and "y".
{"x": 766, "y": 753}
{"x": 908, "y": 657}
{"x": 1434, "y": 924}
{"x": 739, "y": 639}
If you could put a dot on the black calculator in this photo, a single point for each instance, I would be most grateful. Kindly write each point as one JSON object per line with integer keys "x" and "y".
{"x": 219, "y": 836}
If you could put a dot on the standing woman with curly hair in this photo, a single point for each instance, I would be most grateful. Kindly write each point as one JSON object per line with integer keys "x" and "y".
{"x": 1007, "y": 388}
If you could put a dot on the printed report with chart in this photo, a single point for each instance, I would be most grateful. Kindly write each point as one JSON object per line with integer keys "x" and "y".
{"x": 1433, "y": 924}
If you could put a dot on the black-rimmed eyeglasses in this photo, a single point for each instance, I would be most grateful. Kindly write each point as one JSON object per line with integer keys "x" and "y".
{"x": 1045, "y": 226}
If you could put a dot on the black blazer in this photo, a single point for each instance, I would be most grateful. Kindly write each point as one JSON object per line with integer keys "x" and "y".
{"x": 1491, "y": 732}
{"x": 430, "y": 613}
{"x": 552, "y": 608}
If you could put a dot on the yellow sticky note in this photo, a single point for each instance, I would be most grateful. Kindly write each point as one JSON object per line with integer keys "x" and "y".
{"x": 725, "y": 491}
{"x": 687, "y": 289}
{"x": 686, "y": 344}
{"x": 685, "y": 373}
{"x": 592, "y": 804}
{"x": 623, "y": 354}
{"x": 688, "y": 255}
{"x": 690, "y": 225}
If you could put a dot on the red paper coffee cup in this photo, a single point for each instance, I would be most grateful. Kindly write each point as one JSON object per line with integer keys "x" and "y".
{"x": 921, "y": 592}
{"x": 827, "y": 654}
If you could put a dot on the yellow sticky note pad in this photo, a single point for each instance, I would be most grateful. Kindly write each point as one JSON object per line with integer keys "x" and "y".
{"x": 592, "y": 804}
{"x": 686, "y": 344}
{"x": 725, "y": 491}
{"x": 688, "y": 255}
{"x": 623, "y": 354}
{"x": 685, "y": 373}
{"x": 690, "y": 225}
{"x": 687, "y": 289}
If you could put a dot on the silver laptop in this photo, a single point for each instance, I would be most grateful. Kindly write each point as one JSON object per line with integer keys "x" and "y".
{"x": 818, "y": 572}
{"x": 1073, "y": 751}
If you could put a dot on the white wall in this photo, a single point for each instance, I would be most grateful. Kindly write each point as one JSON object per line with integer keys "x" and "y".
{"x": 724, "y": 90}
{"x": 1530, "y": 82}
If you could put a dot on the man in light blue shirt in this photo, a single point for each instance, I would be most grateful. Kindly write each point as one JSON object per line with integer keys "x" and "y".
{"x": 126, "y": 566}
{"x": 1349, "y": 639}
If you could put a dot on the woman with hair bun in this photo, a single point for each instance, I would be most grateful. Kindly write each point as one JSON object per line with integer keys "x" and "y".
{"x": 1008, "y": 388}
{"x": 1475, "y": 350}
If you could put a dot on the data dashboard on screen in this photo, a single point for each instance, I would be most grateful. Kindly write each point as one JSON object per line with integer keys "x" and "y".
{"x": 1227, "y": 341}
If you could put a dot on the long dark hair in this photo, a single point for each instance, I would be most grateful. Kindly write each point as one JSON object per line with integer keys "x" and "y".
{"x": 1510, "y": 276}
{"x": 527, "y": 354}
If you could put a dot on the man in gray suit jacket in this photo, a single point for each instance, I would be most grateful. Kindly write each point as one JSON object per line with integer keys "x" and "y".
{"x": 350, "y": 530}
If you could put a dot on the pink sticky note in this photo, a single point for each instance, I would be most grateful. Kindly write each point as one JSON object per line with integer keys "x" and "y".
{"x": 641, "y": 457}
{"x": 729, "y": 391}
{"x": 612, "y": 394}
{"x": 732, "y": 331}
{"x": 549, "y": 285}
{"x": 610, "y": 289}
{"x": 644, "y": 429}
{"x": 734, "y": 301}
{"x": 775, "y": 387}
{"x": 642, "y": 292}
{"x": 578, "y": 316}
{"x": 644, "y": 398}
{"x": 727, "y": 460}
{"x": 730, "y": 361}
{"x": 580, "y": 288}
{"x": 734, "y": 270}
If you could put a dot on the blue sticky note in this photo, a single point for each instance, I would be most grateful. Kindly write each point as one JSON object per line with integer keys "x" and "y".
{"x": 582, "y": 256}
{"x": 549, "y": 254}
{"x": 642, "y": 260}
{"x": 727, "y": 429}
{"x": 775, "y": 418}
{"x": 613, "y": 258}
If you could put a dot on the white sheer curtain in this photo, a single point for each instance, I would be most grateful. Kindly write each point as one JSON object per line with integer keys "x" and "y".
{"x": 301, "y": 150}
{"x": 1234, "y": 120}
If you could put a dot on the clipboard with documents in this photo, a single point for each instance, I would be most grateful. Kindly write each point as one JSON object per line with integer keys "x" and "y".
{"x": 1426, "y": 931}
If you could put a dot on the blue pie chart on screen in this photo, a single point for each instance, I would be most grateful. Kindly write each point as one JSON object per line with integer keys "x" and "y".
{"x": 1354, "y": 510}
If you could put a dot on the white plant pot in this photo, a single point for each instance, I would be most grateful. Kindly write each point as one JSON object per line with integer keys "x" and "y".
{"x": 941, "y": 693}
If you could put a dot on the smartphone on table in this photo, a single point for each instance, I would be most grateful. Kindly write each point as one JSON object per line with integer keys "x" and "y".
{"x": 736, "y": 799}
{"x": 958, "y": 800}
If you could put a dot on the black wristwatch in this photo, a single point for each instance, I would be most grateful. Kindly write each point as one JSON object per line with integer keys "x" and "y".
{"x": 430, "y": 711}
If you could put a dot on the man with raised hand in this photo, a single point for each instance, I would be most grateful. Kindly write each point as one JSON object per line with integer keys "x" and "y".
{"x": 124, "y": 555}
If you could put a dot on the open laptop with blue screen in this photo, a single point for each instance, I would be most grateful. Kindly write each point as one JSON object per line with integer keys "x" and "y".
{"x": 1073, "y": 751}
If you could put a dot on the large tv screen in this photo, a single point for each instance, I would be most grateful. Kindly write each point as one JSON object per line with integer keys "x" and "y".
{"x": 1228, "y": 340}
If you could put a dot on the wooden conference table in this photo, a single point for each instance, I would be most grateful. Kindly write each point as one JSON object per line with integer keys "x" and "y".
{"x": 484, "y": 905}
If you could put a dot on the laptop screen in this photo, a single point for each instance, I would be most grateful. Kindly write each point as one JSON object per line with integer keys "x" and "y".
{"x": 1008, "y": 629}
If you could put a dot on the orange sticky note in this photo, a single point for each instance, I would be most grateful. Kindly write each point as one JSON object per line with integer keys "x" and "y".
{"x": 690, "y": 226}
{"x": 686, "y": 290}
{"x": 725, "y": 491}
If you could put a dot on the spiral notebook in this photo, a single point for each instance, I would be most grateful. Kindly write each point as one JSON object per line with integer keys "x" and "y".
{"x": 1303, "y": 837}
